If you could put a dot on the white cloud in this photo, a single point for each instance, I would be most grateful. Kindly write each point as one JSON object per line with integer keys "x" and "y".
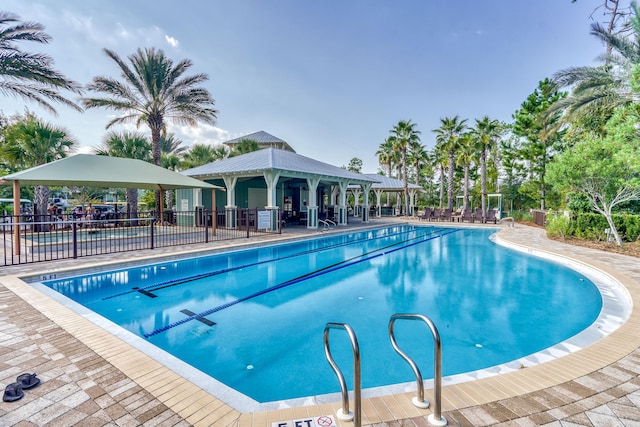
{"x": 201, "y": 134}
{"x": 172, "y": 41}
{"x": 83, "y": 149}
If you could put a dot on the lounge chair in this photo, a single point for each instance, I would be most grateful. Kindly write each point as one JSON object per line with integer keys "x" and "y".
{"x": 466, "y": 216}
{"x": 447, "y": 215}
{"x": 426, "y": 216}
{"x": 477, "y": 216}
{"x": 491, "y": 216}
{"x": 437, "y": 214}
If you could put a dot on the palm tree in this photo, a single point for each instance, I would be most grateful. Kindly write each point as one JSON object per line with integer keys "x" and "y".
{"x": 170, "y": 149}
{"x": 486, "y": 134}
{"x": 28, "y": 75}
{"x": 244, "y": 146}
{"x": 132, "y": 145}
{"x": 448, "y": 137}
{"x": 201, "y": 154}
{"x": 153, "y": 89}
{"x": 385, "y": 155}
{"x": 464, "y": 157}
{"x": 601, "y": 89}
{"x": 419, "y": 158}
{"x": 30, "y": 142}
{"x": 170, "y": 144}
{"x": 403, "y": 135}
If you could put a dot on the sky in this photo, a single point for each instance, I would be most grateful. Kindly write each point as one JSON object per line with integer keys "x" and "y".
{"x": 330, "y": 77}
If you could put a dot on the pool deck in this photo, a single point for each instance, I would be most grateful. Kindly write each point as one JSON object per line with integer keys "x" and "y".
{"x": 93, "y": 378}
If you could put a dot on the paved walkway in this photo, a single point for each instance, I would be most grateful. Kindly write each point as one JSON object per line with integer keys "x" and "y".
{"x": 81, "y": 387}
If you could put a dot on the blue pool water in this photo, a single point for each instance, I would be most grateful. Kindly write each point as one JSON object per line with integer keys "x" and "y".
{"x": 270, "y": 305}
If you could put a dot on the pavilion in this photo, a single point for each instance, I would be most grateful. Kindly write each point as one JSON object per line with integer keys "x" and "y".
{"x": 386, "y": 184}
{"x": 306, "y": 190}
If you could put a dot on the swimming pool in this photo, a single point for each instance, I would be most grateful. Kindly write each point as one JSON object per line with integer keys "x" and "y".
{"x": 491, "y": 304}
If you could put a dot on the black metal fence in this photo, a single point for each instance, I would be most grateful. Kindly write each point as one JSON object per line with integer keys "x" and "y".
{"x": 55, "y": 237}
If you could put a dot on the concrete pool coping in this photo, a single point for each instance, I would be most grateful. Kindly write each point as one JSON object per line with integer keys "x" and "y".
{"x": 197, "y": 407}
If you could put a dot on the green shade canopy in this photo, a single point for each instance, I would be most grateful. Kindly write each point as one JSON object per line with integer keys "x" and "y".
{"x": 87, "y": 170}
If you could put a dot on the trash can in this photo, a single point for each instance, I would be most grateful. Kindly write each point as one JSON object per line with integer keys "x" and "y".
{"x": 200, "y": 219}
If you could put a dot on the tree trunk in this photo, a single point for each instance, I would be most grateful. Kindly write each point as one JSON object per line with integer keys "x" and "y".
{"x": 132, "y": 205}
{"x": 405, "y": 181}
{"x": 41, "y": 196}
{"x": 613, "y": 228}
{"x": 441, "y": 186}
{"x": 614, "y": 14}
{"x": 155, "y": 123}
{"x": 483, "y": 182}
{"x": 465, "y": 198}
{"x": 450, "y": 186}
{"x": 168, "y": 197}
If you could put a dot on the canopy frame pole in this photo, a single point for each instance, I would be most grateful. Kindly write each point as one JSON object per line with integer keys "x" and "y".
{"x": 16, "y": 217}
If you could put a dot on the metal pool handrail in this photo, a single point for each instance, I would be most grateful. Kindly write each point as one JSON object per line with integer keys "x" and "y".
{"x": 435, "y": 419}
{"x": 344, "y": 413}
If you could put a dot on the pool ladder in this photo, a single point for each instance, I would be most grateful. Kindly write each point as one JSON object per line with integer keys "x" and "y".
{"x": 435, "y": 419}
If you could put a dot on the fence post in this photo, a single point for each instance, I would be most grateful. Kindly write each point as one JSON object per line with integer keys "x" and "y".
{"x": 151, "y": 231}
{"x": 214, "y": 221}
{"x": 74, "y": 227}
{"x": 206, "y": 226}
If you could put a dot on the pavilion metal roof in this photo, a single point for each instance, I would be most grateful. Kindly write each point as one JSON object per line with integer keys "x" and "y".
{"x": 263, "y": 139}
{"x": 389, "y": 184}
{"x": 272, "y": 159}
{"x": 89, "y": 170}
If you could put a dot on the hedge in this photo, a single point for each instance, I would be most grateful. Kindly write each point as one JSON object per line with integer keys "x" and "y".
{"x": 593, "y": 226}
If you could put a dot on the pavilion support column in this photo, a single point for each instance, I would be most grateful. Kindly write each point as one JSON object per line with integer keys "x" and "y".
{"x": 231, "y": 210}
{"x": 16, "y": 217}
{"x": 335, "y": 190}
{"x": 271, "y": 178}
{"x": 378, "y": 202}
{"x": 342, "y": 202}
{"x": 366, "y": 189}
{"x": 356, "y": 201}
{"x": 312, "y": 205}
{"x": 412, "y": 200}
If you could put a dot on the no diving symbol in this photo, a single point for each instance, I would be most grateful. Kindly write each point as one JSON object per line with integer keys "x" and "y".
{"x": 324, "y": 422}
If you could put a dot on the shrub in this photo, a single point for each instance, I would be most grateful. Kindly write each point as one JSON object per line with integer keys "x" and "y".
{"x": 522, "y": 216}
{"x": 559, "y": 225}
{"x": 593, "y": 226}
{"x": 632, "y": 223}
{"x": 578, "y": 203}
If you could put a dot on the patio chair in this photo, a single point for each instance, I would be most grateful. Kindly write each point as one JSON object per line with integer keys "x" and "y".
{"x": 447, "y": 214}
{"x": 477, "y": 216}
{"x": 426, "y": 215}
{"x": 437, "y": 213}
{"x": 491, "y": 216}
{"x": 466, "y": 216}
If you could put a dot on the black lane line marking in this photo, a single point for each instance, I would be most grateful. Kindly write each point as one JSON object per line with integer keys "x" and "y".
{"x": 145, "y": 292}
{"x": 198, "y": 318}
